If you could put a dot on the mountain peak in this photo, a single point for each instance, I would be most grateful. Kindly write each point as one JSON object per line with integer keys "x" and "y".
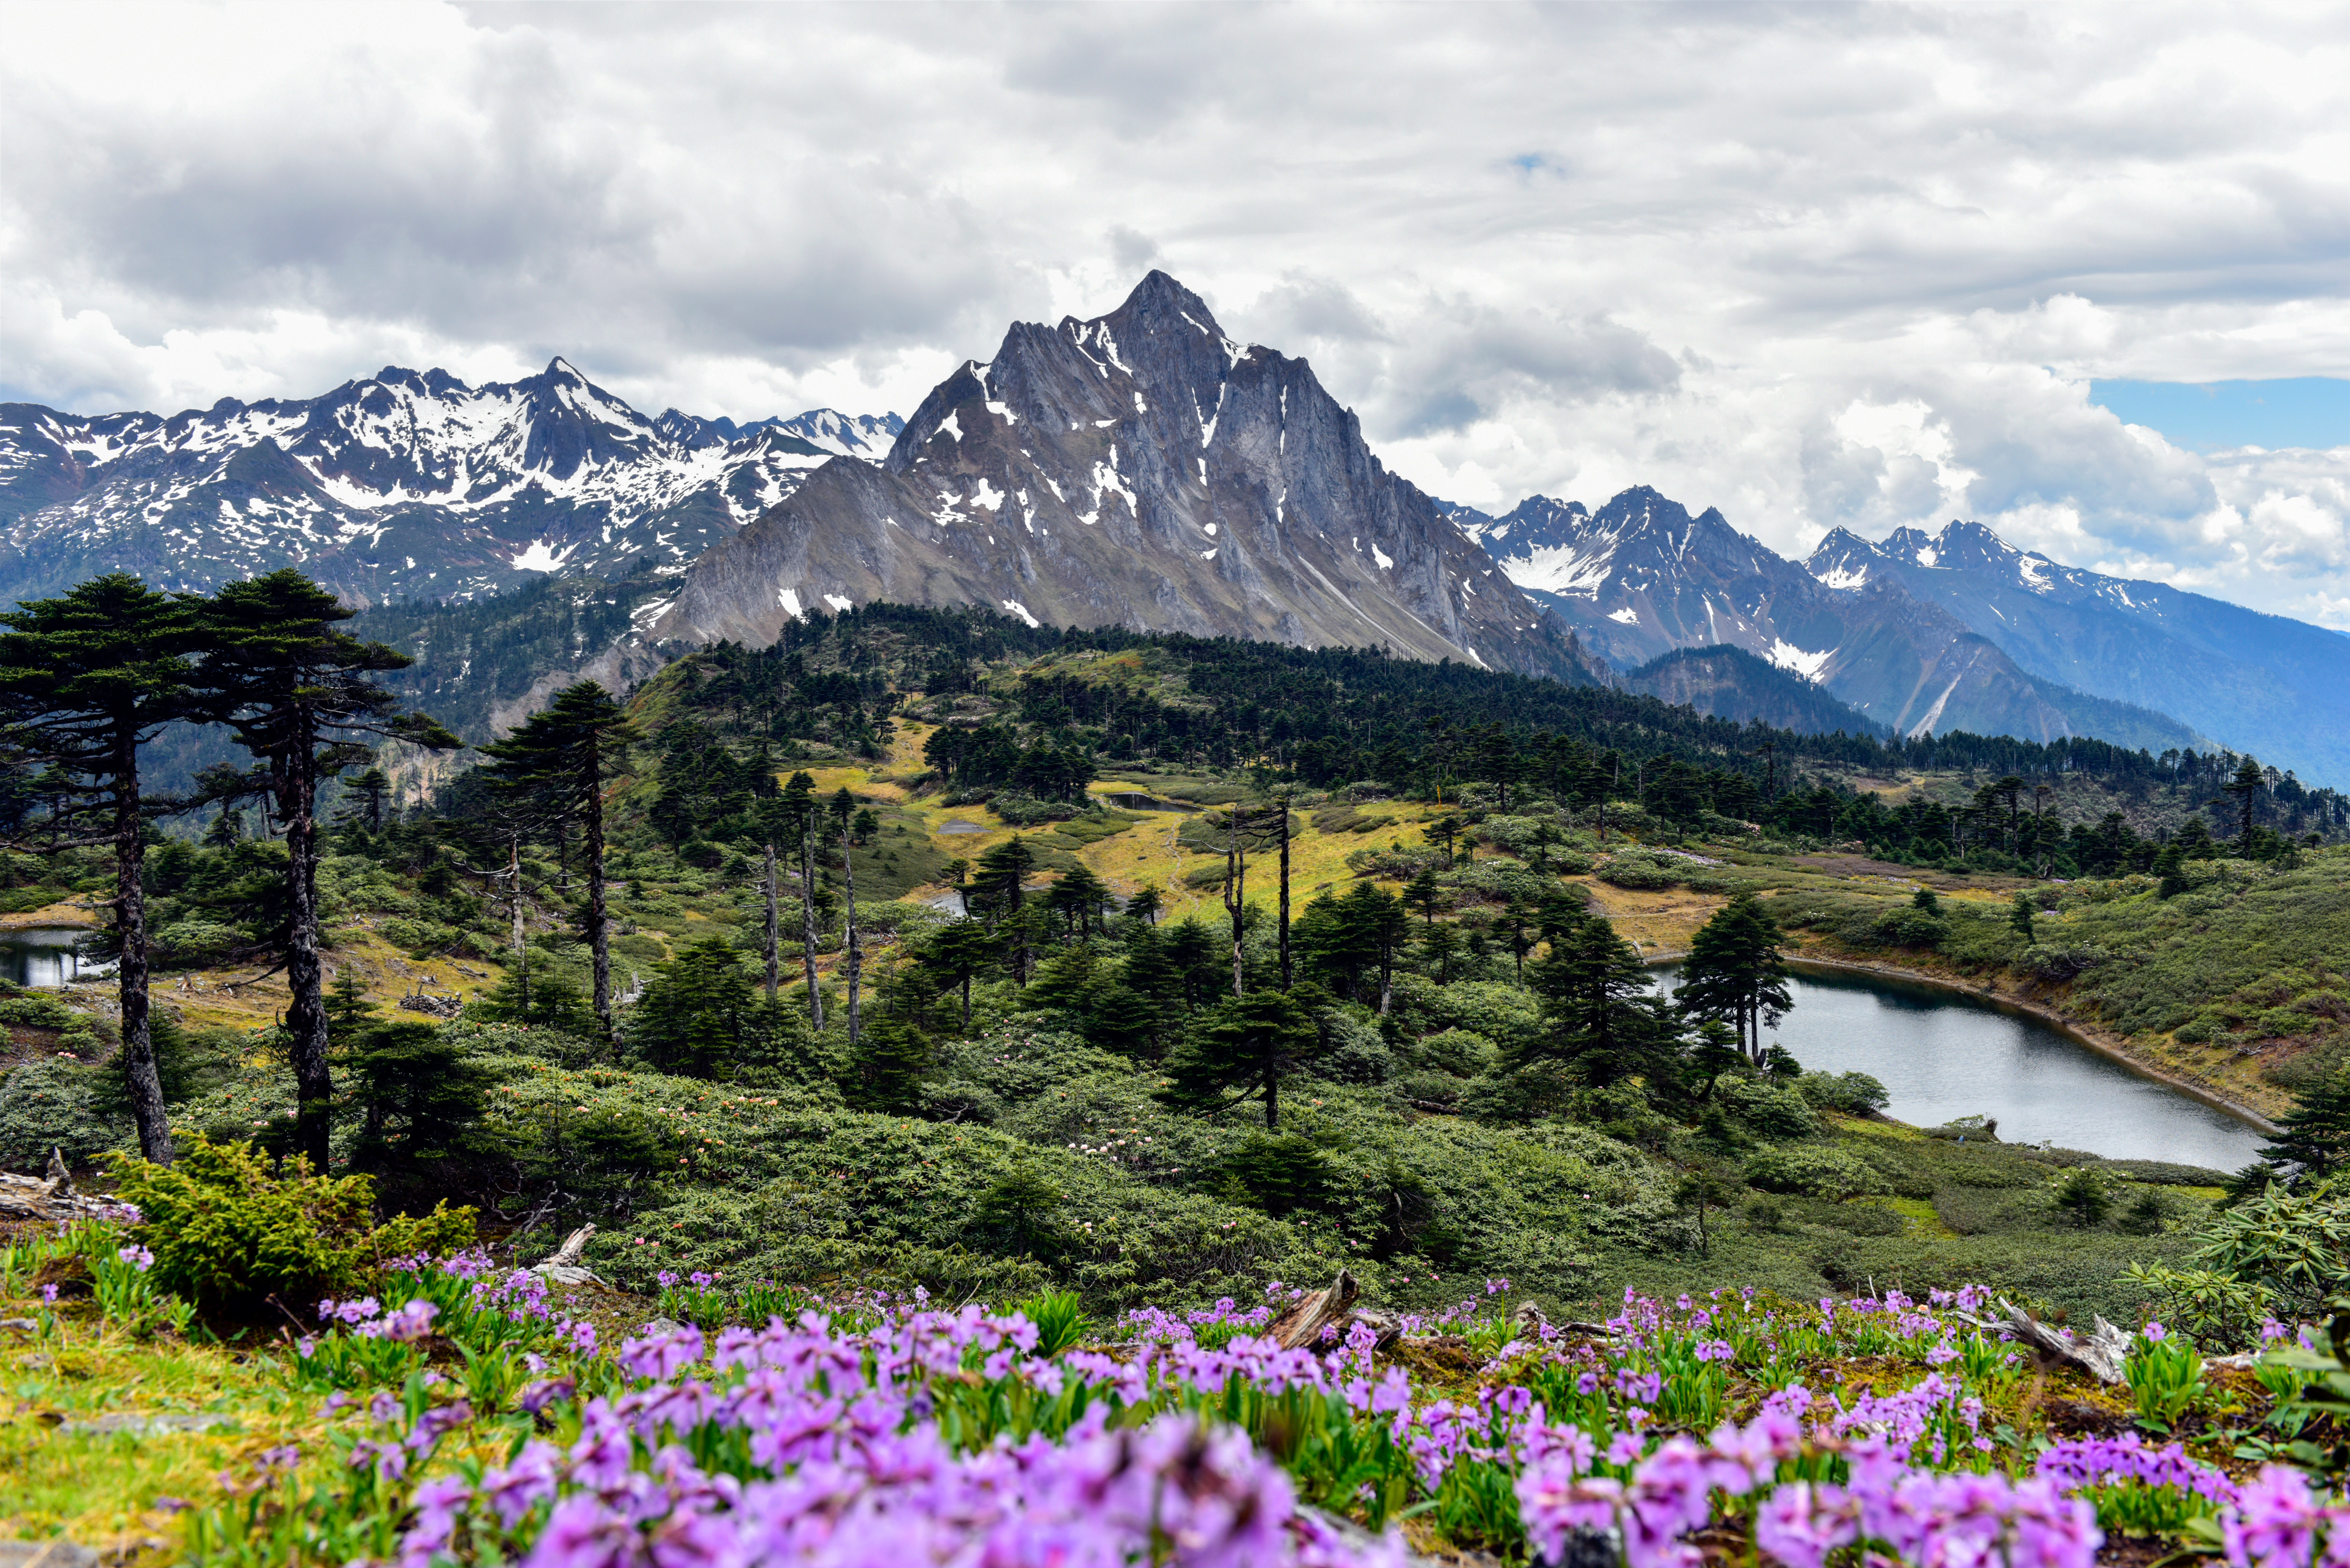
{"x": 1159, "y": 294}
{"x": 1140, "y": 469}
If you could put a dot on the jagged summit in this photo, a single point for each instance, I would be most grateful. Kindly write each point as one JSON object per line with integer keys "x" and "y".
{"x": 1138, "y": 468}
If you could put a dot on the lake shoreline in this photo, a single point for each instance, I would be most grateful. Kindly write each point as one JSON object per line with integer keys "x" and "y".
{"x": 2079, "y": 1034}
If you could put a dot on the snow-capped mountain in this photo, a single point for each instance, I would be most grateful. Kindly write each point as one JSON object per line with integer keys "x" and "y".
{"x": 1642, "y": 577}
{"x": 2277, "y": 688}
{"x": 1140, "y": 469}
{"x": 404, "y": 484}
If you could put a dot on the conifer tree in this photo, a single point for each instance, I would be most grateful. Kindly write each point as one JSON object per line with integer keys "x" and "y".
{"x": 885, "y": 1067}
{"x": 1123, "y": 1020}
{"x": 956, "y": 955}
{"x": 85, "y": 679}
{"x": 1003, "y": 900}
{"x": 560, "y": 759}
{"x": 2171, "y": 867}
{"x": 1593, "y": 984}
{"x": 2315, "y": 1134}
{"x": 2020, "y": 912}
{"x": 1243, "y": 1051}
{"x": 2246, "y": 786}
{"x": 301, "y": 696}
{"x": 1421, "y": 893}
{"x": 701, "y": 1016}
{"x": 1734, "y": 973}
{"x": 1077, "y": 896}
{"x": 367, "y": 793}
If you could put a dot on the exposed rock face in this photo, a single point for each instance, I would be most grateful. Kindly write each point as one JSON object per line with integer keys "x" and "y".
{"x": 401, "y": 485}
{"x": 1141, "y": 470}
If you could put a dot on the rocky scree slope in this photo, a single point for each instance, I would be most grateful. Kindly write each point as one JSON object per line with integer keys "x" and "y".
{"x": 1142, "y": 470}
{"x": 1642, "y": 577}
{"x": 404, "y": 485}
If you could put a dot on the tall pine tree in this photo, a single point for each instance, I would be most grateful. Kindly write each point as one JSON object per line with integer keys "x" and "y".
{"x": 302, "y": 697}
{"x": 84, "y": 679}
{"x": 1734, "y": 973}
{"x": 1241, "y": 1051}
{"x": 561, "y": 758}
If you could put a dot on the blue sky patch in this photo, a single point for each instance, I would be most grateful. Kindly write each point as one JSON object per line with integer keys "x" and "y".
{"x": 2302, "y": 411}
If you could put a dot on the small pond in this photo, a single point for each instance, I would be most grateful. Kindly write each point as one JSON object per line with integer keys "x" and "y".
{"x": 1943, "y": 1054}
{"x": 44, "y": 955}
{"x": 957, "y": 824}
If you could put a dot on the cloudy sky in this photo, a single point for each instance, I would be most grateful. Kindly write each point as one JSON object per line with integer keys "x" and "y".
{"x": 1814, "y": 266}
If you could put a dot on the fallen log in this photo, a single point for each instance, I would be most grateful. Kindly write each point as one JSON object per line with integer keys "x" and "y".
{"x": 1303, "y": 1323}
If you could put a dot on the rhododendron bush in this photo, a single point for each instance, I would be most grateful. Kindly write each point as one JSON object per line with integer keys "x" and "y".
{"x": 472, "y": 1421}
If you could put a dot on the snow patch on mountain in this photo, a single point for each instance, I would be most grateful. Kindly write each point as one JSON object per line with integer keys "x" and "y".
{"x": 1787, "y": 656}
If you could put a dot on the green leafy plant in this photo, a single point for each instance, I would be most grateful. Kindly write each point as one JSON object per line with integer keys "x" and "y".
{"x": 1060, "y": 1320}
{"x": 2323, "y": 1396}
{"x": 2165, "y": 1376}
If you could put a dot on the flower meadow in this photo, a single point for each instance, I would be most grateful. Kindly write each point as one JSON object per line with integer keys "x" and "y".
{"x": 465, "y": 1415}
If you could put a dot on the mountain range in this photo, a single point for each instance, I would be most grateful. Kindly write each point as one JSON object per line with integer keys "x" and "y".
{"x": 2276, "y": 686}
{"x": 1141, "y": 468}
{"x": 1641, "y": 577}
{"x": 404, "y": 485}
{"x": 1954, "y": 630}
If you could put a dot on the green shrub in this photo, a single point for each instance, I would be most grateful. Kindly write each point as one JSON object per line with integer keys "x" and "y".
{"x": 418, "y": 938}
{"x": 1813, "y": 1172}
{"x": 37, "y": 1011}
{"x": 52, "y": 1103}
{"x": 2061, "y": 960}
{"x": 224, "y": 1232}
{"x": 1461, "y": 1053}
{"x": 1767, "y": 1109}
{"x": 1902, "y": 926}
{"x": 194, "y": 944}
{"x": 1853, "y": 1094}
{"x": 1641, "y": 872}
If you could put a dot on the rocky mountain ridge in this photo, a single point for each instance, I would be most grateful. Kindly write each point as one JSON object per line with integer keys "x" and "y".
{"x": 1642, "y": 577}
{"x": 2262, "y": 683}
{"x": 1140, "y": 469}
{"x": 404, "y": 484}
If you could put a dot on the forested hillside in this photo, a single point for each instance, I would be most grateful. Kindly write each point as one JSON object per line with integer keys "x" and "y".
{"x": 930, "y": 951}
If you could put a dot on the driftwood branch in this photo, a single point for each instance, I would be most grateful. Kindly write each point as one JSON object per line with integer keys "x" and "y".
{"x": 567, "y": 1267}
{"x": 2100, "y": 1352}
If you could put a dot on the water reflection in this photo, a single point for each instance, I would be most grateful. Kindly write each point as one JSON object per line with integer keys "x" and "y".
{"x": 46, "y": 955}
{"x": 1943, "y": 1054}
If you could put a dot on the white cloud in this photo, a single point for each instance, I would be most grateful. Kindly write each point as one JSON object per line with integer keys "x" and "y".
{"x": 1811, "y": 265}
